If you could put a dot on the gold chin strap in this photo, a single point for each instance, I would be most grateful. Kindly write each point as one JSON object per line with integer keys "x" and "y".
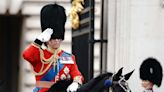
{"x": 52, "y": 60}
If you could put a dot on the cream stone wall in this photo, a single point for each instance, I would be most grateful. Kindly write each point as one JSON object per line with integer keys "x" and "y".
{"x": 136, "y": 32}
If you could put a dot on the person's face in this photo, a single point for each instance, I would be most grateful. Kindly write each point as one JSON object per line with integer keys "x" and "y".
{"x": 147, "y": 84}
{"x": 54, "y": 43}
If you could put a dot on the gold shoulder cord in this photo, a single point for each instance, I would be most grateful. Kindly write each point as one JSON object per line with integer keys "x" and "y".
{"x": 48, "y": 61}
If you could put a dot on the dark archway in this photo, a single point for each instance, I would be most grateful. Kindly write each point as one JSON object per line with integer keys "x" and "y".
{"x": 10, "y": 33}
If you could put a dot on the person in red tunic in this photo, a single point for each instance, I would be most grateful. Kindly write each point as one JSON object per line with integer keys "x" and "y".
{"x": 49, "y": 62}
{"x": 151, "y": 74}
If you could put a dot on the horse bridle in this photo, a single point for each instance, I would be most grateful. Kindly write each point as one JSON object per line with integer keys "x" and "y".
{"x": 122, "y": 83}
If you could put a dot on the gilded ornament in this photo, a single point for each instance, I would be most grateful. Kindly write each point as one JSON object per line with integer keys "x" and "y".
{"x": 76, "y": 8}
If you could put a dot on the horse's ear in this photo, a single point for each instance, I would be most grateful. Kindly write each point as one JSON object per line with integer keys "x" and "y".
{"x": 127, "y": 76}
{"x": 119, "y": 73}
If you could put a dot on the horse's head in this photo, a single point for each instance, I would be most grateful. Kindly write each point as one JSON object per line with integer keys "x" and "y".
{"x": 119, "y": 81}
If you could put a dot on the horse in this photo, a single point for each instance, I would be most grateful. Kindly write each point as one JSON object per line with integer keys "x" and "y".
{"x": 116, "y": 82}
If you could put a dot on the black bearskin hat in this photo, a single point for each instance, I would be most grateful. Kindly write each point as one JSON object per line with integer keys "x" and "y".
{"x": 53, "y": 16}
{"x": 151, "y": 70}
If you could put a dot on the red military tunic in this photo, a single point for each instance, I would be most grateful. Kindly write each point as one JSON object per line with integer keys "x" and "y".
{"x": 57, "y": 67}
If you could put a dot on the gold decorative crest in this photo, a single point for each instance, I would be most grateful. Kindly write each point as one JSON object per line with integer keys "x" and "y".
{"x": 75, "y": 9}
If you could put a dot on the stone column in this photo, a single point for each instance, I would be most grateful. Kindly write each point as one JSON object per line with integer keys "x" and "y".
{"x": 118, "y": 33}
